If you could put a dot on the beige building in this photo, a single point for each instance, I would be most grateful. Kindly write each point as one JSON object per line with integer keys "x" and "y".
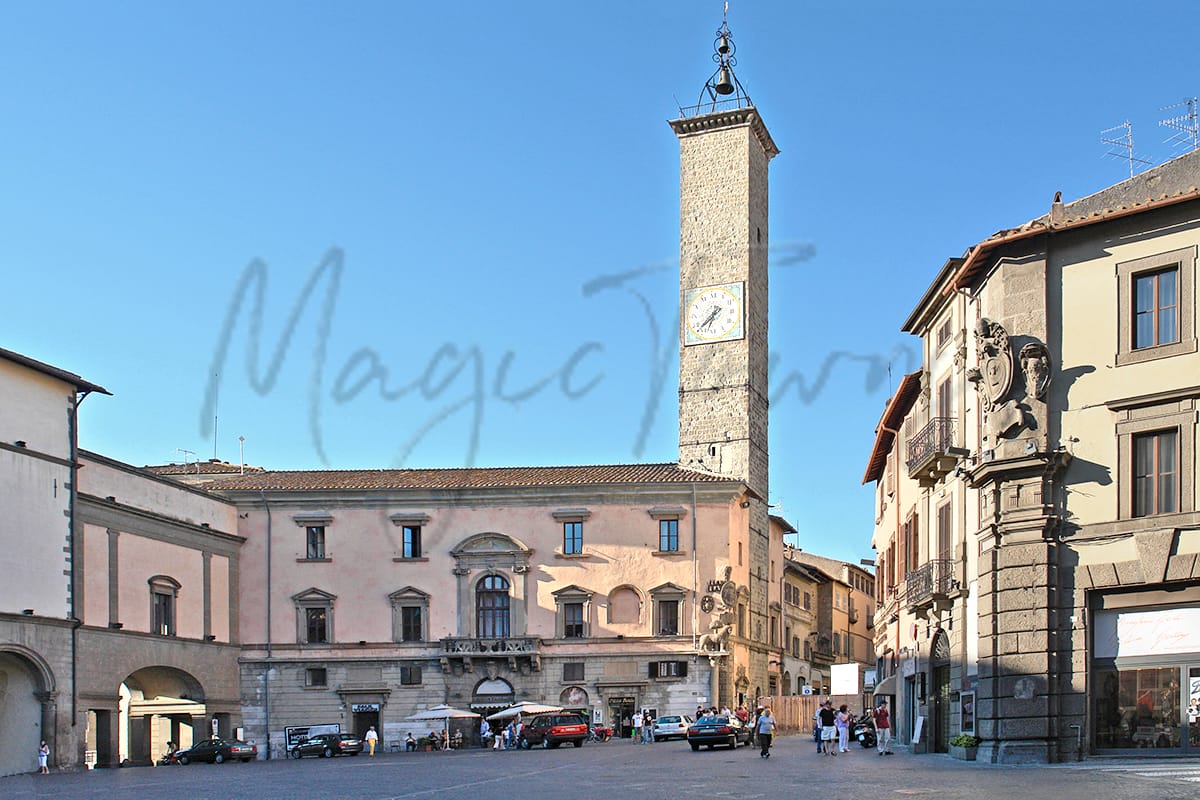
{"x": 118, "y": 606}
{"x": 1036, "y": 506}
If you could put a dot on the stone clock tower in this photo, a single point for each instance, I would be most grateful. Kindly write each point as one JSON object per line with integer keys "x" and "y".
{"x": 724, "y": 152}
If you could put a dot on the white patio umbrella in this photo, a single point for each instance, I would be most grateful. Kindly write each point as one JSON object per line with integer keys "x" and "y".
{"x": 445, "y": 713}
{"x": 523, "y": 707}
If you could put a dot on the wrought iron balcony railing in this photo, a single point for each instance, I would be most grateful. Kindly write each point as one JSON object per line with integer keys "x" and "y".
{"x": 934, "y": 577}
{"x": 933, "y": 440}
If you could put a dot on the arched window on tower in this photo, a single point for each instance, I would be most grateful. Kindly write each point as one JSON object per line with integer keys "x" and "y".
{"x": 492, "y": 607}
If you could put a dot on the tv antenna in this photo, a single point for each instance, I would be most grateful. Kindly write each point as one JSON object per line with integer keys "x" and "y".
{"x": 1122, "y": 145}
{"x": 1186, "y": 125}
{"x": 187, "y": 453}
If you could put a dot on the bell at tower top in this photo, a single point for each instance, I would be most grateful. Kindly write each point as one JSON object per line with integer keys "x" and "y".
{"x": 723, "y": 100}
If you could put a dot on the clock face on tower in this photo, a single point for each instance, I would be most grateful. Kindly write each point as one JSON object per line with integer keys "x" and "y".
{"x": 714, "y": 314}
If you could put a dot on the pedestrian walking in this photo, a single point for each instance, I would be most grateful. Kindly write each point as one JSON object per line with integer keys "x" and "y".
{"x": 817, "y": 726}
{"x": 842, "y": 721}
{"x": 485, "y": 731}
{"x": 828, "y": 729}
{"x": 648, "y": 729}
{"x": 43, "y": 758}
{"x": 883, "y": 728}
{"x": 766, "y": 731}
{"x": 372, "y": 739}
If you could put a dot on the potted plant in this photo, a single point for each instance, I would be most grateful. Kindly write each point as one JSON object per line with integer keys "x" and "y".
{"x": 964, "y": 746}
{"x": 425, "y": 744}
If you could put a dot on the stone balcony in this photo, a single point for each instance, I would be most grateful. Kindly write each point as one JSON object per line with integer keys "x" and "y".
{"x": 931, "y": 453}
{"x": 521, "y": 652}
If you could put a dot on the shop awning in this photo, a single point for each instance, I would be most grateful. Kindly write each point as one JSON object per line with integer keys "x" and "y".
{"x": 886, "y": 686}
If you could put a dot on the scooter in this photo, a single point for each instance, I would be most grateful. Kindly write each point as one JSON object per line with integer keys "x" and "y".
{"x": 864, "y": 732}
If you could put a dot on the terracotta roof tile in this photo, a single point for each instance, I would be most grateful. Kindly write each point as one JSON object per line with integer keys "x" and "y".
{"x": 462, "y": 478}
{"x": 199, "y": 468}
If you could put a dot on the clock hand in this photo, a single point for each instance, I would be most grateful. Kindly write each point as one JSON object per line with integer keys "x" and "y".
{"x": 712, "y": 315}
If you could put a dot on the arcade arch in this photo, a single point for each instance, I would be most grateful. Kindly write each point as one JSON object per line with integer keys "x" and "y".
{"x": 26, "y": 708}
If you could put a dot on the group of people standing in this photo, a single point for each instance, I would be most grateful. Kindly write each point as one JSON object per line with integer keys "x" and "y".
{"x": 831, "y": 728}
{"x": 643, "y": 728}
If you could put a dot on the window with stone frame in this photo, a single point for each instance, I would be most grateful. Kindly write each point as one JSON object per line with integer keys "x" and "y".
{"x": 573, "y": 671}
{"x": 315, "y": 677}
{"x": 410, "y": 615}
{"x": 314, "y": 616}
{"x": 410, "y": 545}
{"x": 667, "y": 601}
{"x": 315, "y": 544}
{"x": 163, "y": 594}
{"x": 573, "y": 606}
{"x": 1156, "y": 453}
{"x": 1156, "y": 306}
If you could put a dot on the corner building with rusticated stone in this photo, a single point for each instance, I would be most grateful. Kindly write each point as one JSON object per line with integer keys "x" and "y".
{"x": 1037, "y": 519}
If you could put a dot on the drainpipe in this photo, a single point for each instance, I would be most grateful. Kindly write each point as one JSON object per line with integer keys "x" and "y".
{"x": 267, "y": 671}
{"x": 695, "y": 574}
{"x": 73, "y": 439}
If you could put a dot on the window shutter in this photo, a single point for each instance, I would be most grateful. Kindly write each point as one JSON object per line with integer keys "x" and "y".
{"x": 653, "y": 669}
{"x": 683, "y": 669}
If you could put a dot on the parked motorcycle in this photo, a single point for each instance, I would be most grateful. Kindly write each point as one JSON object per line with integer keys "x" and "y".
{"x": 864, "y": 732}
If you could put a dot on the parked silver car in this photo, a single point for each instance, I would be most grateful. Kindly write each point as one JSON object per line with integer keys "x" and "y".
{"x": 671, "y": 727}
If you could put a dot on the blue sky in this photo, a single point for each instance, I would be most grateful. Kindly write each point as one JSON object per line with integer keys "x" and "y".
{"x": 484, "y": 199}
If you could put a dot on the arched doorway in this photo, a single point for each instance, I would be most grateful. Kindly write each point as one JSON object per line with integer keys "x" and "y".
{"x": 26, "y": 689}
{"x": 160, "y": 705}
{"x": 939, "y": 698}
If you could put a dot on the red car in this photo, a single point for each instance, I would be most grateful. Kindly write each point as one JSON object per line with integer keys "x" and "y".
{"x": 551, "y": 730}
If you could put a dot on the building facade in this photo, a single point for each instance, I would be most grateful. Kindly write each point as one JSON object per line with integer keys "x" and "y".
{"x": 1036, "y": 519}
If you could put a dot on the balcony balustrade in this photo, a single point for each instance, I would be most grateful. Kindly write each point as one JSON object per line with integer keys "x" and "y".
{"x": 463, "y": 651}
{"x": 931, "y": 452}
{"x": 930, "y": 583}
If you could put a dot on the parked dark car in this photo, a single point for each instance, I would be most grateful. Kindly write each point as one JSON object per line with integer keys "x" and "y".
{"x": 329, "y": 745}
{"x": 551, "y": 730}
{"x": 217, "y": 751}
{"x": 718, "y": 729}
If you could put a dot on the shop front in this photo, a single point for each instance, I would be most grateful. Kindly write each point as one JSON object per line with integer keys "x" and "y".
{"x": 1145, "y": 677}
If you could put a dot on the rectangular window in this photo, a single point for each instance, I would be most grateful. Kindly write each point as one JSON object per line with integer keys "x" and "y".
{"x": 945, "y": 398}
{"x": 668, "y": 617}
{"x": 410, "y": 675}
{"x": 314, "y": 676}
{"x": 1155, "y": 473}
{"x": 316, "y": 625}
{"x": 668, "y": 669}
{"x": 315, "y": 537}
{"x": 164, "y": 614}
{"x": 573, "y": 620}
{"x": 1155, "y": 308}
{"x": 572, "y": 538}
{"x": 944, "y": 527}
{"x": 837, "y": 643}
{"x": 807, "y": 601}
{"x": 668, "y": 535}
{"x": 411, "y": 629}
{"x": 573, "y": 671}
{"x": 943, "y": 333}
{"x": 412, "y": 541}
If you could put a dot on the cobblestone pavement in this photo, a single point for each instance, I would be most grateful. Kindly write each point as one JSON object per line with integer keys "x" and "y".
{"x": 621, "y": 771}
